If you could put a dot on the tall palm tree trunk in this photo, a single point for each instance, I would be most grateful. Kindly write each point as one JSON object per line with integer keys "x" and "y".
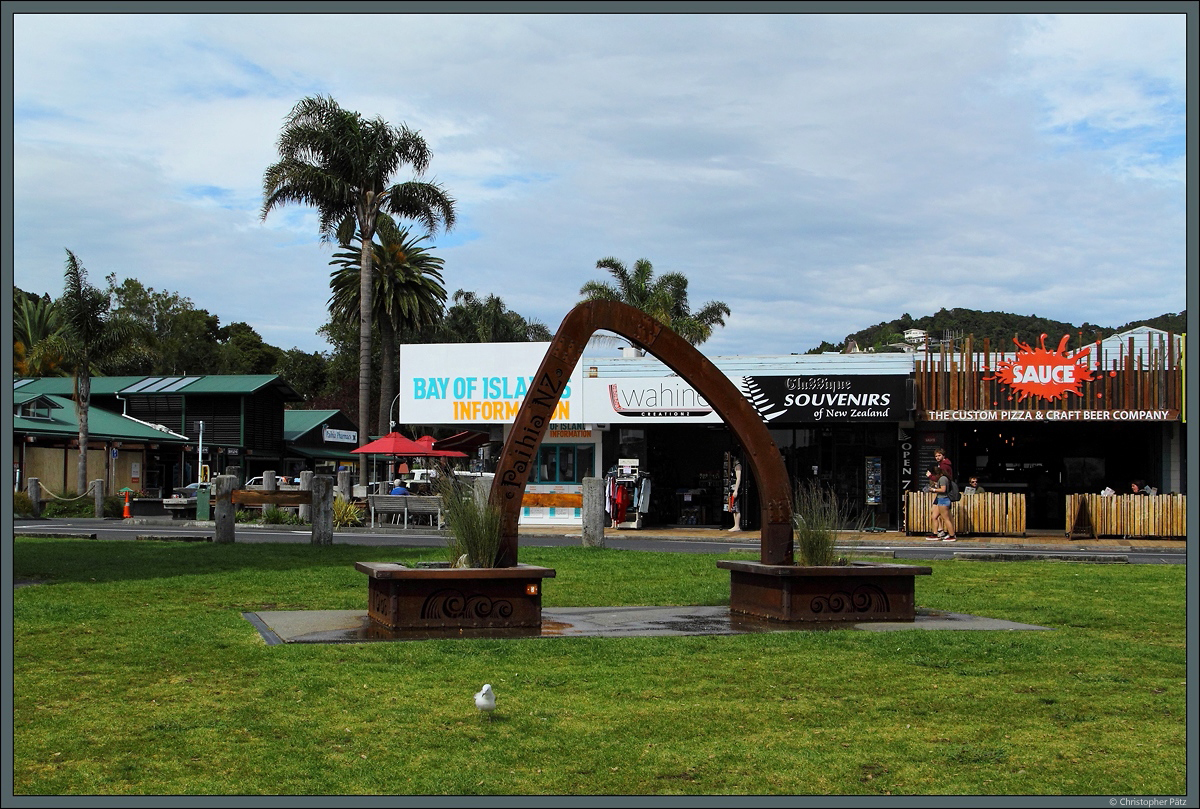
{"x": 83, "y": 396}
{"x": 364, "y": 352}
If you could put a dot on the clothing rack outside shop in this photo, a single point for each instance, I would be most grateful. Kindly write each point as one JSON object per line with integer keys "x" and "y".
{"x": 627, "y": 494}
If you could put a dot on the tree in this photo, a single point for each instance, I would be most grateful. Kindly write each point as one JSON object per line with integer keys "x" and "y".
{"x": 242, "y": 351}
{"x": 183, "y": 339}
{"x": 90, "y": 339}
{"x": 307, "y": 373}
{"x": 34, "y": 319}
{"x": 408, "y": 294}
{"x": 664, "y": 298}
{"x": 826, "y": 347}
{"x": 487, "y": 320}
{"x": 342, "y": 164}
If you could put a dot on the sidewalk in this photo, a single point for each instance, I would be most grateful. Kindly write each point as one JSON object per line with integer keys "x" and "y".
{"x": 1052, "y": 540}
{"x": 1033, "y": 540}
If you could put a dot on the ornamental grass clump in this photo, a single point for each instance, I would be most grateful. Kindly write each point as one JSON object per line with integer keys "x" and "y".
{"x": 474, "y": 523}
{"x": 345, "y": 513}
{"x": 274, "y": 515}
{"x": 817, "y": 516}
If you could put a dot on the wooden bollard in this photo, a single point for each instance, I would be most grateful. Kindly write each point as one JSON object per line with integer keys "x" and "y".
{"x": 322, "y": 510}
{"x": 223, "y": 516}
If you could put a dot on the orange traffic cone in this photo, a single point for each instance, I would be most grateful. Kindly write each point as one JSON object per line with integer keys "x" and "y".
{"x": 126, "y": 514}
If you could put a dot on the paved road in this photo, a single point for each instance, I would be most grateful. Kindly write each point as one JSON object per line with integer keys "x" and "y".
{"x": 671, "y": 540}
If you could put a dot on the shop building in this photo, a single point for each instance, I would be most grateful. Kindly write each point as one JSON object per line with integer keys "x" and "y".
{"x": 46, "y": 444}
{"x": 319, "y": 441}
{"x": 1058, "y": 418}
{"x": 837, "y": 419}
{"x": 1044, "y": 421}
{"x": 242, "y": 418}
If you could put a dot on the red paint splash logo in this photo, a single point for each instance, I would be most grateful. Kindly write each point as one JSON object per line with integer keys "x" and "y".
{"x": 1047, "y": 374}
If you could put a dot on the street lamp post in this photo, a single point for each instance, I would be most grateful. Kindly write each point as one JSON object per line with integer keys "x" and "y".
{"x": 396, "y": 420}
{"x": 200, "y": 453}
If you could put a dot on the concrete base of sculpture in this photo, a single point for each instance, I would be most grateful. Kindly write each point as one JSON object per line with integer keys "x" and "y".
{"x": 855, "y": 593}
{"x": 451, "y": 601}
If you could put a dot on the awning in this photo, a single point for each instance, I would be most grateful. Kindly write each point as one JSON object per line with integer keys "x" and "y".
{"x": 466, "y": 441}
{"x": 320, "y": 453}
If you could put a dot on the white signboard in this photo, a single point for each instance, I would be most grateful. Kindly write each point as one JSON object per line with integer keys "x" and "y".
{"x": 484, "y": 383}
{"x": 341, "y": 436}
{"x": 659, "y": 399}
{"x": 475, "y": 383}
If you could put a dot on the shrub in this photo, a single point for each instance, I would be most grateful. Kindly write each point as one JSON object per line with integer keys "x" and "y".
{"x": 69, "y": 506}
{"x": 114, "y": 506}
{"x": 474, "y": 523}
{"x": 22, "y": 504}
{"x": 345, "y": 513}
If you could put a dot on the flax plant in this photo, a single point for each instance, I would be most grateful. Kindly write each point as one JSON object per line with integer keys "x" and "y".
{"x": 473, "y": 522}
{"x": 817, "y": 516}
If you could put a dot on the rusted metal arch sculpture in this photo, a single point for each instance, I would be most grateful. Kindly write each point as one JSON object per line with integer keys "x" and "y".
{"x": 533, "y": 419}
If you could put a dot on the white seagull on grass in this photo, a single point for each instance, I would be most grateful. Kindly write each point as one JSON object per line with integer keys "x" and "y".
{"x": 485, "y": 700}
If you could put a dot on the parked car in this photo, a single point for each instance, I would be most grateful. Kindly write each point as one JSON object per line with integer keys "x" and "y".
{"x": 189, "y": 490}
{"x": 257, "y": 482}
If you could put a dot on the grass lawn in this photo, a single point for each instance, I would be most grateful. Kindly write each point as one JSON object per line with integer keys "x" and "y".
{"x": 134, "y": 673}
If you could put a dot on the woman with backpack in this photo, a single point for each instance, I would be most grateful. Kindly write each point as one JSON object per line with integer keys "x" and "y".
{"x": 942, "y": 487}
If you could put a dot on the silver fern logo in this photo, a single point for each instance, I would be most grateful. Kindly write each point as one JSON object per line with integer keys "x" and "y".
{"x": 759, "y": 400}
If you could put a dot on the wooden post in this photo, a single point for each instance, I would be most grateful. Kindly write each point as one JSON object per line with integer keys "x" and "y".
{"x": 222, "y": 490}
{"x": 322, "y": 509}
{"x": 306, "y": 486}
{"x": 34, "y": 487}
{"x": 98, "y": 493}
{"x": 343, "y": 485}
{"x": 1079, "y": 525}
{"x": 593, "y": 512}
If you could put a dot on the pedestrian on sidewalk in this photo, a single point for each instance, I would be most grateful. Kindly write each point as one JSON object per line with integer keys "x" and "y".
{"x": 943, "y": 523}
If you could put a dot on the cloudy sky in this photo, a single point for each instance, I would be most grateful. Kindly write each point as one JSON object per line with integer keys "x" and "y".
{"x": 819, "y": 174}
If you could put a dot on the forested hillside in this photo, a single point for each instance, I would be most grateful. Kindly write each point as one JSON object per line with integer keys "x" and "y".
{"x": 999, "y": 327}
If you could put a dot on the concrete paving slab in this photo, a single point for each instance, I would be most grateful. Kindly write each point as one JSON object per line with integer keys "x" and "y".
{"x": 353, "y": 626}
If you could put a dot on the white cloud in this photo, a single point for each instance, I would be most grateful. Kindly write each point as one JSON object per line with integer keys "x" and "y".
{"x": 819, "y": 174}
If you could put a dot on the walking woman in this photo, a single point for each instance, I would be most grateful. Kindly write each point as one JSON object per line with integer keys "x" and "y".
{"x": 943, "y": 523}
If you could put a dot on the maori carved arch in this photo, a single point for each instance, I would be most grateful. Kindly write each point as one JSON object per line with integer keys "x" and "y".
{"x": 533, "y": 419}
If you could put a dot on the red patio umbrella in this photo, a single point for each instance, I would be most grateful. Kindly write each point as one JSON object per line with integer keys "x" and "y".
{"x": 393, "y": 444}
{"x": 429, "y": 441}
{"x": 399, "y": 445}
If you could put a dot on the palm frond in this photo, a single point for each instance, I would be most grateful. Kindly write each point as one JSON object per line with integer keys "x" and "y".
{"x": 664, "y": 298}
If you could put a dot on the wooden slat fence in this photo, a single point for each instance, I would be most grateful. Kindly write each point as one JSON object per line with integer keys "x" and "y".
{"x": 983, "y": 514}
{"x": 1126, "y": 515}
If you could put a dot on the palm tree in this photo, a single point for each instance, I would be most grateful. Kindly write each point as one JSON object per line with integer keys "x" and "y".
{"x": 665, "y": 299}
{"x": 34, "y": 319}
{"x": 407, "y": 294}
{"x": 342, "y": 165}
{"x": 90, "y": 338}
{"x": 487, "y": 320}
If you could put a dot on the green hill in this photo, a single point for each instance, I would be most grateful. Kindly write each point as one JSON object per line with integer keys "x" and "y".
{"x": 999, "y": 327}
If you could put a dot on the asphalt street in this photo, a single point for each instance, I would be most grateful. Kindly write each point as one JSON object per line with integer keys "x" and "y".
{"x": 678, "y": 540}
